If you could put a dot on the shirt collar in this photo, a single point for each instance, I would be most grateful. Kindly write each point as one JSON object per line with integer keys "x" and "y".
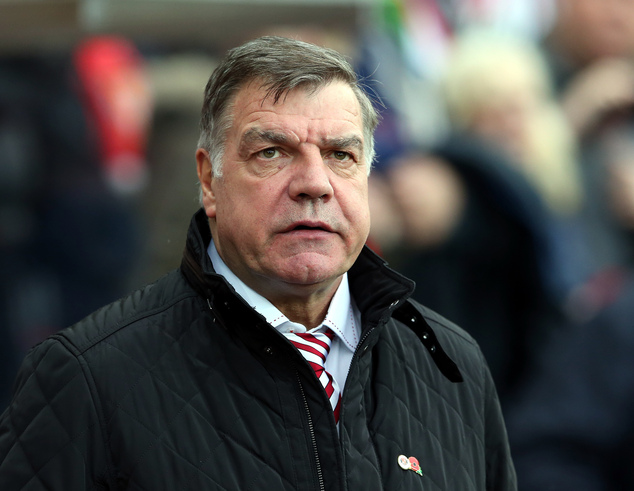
{"x": 339, "y": 318}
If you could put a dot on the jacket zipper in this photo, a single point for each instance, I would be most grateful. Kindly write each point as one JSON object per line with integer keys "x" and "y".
{"x": 311, "y": 428}
{"x": 355, "y": 357}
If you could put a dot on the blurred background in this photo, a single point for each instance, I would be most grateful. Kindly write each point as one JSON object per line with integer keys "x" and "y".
{"x": 504, "y": 182}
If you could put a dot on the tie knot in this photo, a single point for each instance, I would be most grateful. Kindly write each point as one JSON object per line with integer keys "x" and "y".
{"x": 323, "y": 339}
{"x": 314, "y": 344}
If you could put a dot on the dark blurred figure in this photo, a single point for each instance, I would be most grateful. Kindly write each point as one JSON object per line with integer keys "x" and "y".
{"x": 477, "y": 246}
{"x": 483, "y": 217}
{"x": 57, "y": 201}
{"x": 573, "y": 428}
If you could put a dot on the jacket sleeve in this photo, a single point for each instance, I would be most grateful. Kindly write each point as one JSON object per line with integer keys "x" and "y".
{"x": 50, "y": 435}
{"x": 500, "y": 471}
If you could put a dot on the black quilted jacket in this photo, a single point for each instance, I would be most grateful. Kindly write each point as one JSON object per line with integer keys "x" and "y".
{"x": 181, "y": 386}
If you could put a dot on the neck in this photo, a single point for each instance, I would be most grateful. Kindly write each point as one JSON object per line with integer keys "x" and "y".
{"x": 306, "y": 304}
{"x": 309, "y": 310}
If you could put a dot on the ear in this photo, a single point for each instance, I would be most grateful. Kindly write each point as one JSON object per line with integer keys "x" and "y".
{"x": 203, "y": 165}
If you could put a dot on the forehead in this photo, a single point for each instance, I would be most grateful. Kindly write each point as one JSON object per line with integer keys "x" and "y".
{"x": 332, "y": 108}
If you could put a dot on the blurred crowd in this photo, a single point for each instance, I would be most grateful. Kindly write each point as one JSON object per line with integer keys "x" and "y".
{"x": 73, "y": 130}
{"x": 504, "y": 186}
{"x": 516, "y": 222}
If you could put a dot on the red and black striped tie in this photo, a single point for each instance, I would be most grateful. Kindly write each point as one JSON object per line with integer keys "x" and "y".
{"x": 315, "y": 347}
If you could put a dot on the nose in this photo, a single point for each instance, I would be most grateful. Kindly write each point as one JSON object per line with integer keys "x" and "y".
{"x": 310, "y": 178}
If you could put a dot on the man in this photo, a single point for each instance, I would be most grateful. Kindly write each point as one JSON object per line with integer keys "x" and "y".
{"x": 208, "y": 379}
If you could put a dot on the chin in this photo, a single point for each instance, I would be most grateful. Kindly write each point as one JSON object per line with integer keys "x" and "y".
{"x": 310, "y": 272}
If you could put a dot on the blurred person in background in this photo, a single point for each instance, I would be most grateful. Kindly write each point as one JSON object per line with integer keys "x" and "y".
{"x": 488, "y": 215}
{"x": 64, "y": 125}
{"x": 497, "y": 88}
{"x": 571, "y": 425}
{"x": 590, "y": 49}
{"x": 591, "y": 58}
{"x": 282, "y": 354}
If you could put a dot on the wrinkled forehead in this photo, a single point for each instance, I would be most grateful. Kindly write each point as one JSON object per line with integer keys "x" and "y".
{"x": 335, "y": 101}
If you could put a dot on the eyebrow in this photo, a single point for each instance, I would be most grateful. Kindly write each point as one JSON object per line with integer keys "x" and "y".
{"x": 256, "y": 135}
{"x": 344, "y": 142}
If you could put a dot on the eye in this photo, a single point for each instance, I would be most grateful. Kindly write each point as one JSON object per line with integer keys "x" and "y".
{"x": 341, "y": 155}
{"x": 269, "y": 153}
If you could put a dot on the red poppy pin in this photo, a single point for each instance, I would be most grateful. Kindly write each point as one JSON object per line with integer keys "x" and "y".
{"x": 410, "y": 464}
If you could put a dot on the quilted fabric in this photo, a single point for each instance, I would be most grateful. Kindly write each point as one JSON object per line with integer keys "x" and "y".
{"x": 181, "y": 386}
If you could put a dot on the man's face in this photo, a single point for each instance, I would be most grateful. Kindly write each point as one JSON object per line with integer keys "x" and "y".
{"x": 290, "y": 213}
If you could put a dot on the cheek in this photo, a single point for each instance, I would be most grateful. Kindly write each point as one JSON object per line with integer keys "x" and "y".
{"x": 245, "y": 212}
{"x": 241, "y": 199}
{"x": 357, "y": 209}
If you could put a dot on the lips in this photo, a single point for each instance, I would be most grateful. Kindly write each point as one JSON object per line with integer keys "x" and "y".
{"x": 308, "y": 225}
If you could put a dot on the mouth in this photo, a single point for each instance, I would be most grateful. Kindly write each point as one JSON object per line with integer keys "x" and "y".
{"x": 309, "y": 226}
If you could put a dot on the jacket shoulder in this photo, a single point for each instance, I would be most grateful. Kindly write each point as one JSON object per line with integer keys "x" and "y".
{"x": 52, "y": 423}
{"x": 144, "y": 303}
{"x": 454, "y": 351}
{"x": 451, "y": 334}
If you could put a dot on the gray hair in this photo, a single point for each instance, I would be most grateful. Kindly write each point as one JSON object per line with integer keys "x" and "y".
{"x": 281, "y": 65}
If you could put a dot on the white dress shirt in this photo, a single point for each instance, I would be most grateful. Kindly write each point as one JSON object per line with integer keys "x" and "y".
{"x": 343, "y": 318}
